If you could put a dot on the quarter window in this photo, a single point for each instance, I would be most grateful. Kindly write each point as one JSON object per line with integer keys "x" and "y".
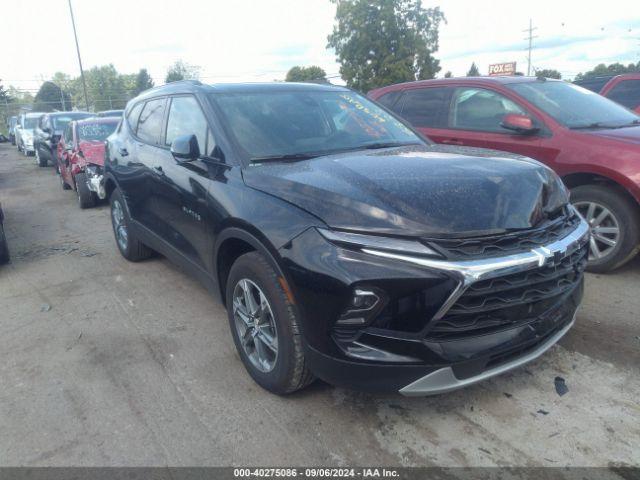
{"x": 133, "y": 115}
{"x": 150, "y": 122}
{"x": 426, "y": 107}
{"x": 481, "y": 109}
{"x": 186, "y": 118}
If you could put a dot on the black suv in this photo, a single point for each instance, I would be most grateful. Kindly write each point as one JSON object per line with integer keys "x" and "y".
{"x": 47, "y": 134}
{"x": 343, "y": 244}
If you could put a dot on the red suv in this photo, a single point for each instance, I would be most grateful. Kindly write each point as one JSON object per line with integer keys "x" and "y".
{"x": 81, "y": 158}
{"x": 592, "y": 142}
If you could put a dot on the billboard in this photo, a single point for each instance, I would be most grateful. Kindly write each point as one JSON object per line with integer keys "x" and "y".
{"x": 508, "y": 68}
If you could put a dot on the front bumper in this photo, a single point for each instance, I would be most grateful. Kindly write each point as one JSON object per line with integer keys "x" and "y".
{"x": 420, "y": 361}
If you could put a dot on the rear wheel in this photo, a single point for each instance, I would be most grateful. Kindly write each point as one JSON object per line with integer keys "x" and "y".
{"x": 264, "y": 326}
{"x": 615, "y": 226}
{"x": 128, "y": 243}
{"x": 4, "y": 249}
{"x": 86, "y": 198}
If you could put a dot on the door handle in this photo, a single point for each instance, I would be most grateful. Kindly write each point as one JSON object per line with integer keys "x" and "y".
{"x": 452, "y": 141}
{"x": 123, "y": 152}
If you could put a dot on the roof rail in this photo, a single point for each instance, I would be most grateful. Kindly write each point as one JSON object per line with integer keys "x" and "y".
{"x": 191, "y": 82}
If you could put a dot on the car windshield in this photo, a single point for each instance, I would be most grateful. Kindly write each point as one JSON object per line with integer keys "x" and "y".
{"x": 61, "y": 122}
{"x": 308, "y": 123}
{"x": 575, "y": 107}
{"x": 96, "y": 131}
{"x": 30, "y": 123}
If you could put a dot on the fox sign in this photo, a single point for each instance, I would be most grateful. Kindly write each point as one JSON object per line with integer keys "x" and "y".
{"x": 508, "y": 68}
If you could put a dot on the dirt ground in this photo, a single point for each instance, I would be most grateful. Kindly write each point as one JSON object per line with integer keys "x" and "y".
{"x": 105, "y": 362}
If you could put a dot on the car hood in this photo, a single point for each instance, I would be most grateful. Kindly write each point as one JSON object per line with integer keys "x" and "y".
{"x": 93, "y": 151}
{"x": 627, "y": 135}
{"x": 417, "y": 191}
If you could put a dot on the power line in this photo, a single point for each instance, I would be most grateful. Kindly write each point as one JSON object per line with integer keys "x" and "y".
{"x": 530, "y": 38}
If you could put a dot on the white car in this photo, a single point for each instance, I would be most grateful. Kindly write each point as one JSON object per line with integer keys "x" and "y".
{"x": 29, "y": 122}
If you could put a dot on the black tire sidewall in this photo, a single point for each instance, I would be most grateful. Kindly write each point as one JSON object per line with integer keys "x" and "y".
{"x": 628, "y": 220}
{"x": 4, "y": 248}
{"x": 85, "y": 196}
{"x": 256, "y": 268}
{"x": 115, "y": 195}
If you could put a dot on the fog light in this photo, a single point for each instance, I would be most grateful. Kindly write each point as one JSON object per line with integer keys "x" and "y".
{"x": 361, "y": 308}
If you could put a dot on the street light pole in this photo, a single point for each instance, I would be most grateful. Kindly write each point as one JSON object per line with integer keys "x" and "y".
{"x": 84, "y": 84}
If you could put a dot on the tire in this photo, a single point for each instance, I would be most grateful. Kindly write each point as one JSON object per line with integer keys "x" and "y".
{"x": 4, "y": 249}
{"x": 132, "y": 249}
{"x": 63, "y": 183}
{"x": 86, "y": 198}
{"x": 41, "y": 162}
{"x": 288, "y": 371}
{"x": 624, "y": 216}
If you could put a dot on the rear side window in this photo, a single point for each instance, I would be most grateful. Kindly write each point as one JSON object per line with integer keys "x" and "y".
{"x": 626, "y": 93}
{"x": 186, "y": 118}
{"x": 426, "y": 107}
{"x": 150, "y": 121}
{"x": 481, "y": 109}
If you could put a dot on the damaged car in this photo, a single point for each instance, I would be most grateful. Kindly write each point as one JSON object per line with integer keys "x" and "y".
{"x": 344, "y": 245}
{"x": 47, "y": 134}
{"x": 81, "y": 158}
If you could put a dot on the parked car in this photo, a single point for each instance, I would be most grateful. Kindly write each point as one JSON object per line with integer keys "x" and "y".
{"x": 27, "y": 132}
{"x": 81, "y": 158}
{"x": 18, "y": 129}
{"x": 343, "y": 245}
{"x": 590, "y": 141}
{"x": 110, "y": 113}
{"x": 623, "y": 89}
{"x": 4, "y": 248}
{"x": 48, "y": 132}
{"x": 11, "y": 127}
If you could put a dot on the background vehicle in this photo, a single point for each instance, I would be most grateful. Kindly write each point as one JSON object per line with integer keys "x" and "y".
{"x": 17, "y": 130}
{"x": 344, "y": 245}
{"x": 4, "y": 249}
{"x": 12, "y": 129}
{"x": 623, "y": 89}
{"x": 27, "y": 132}
{"x": 592, "y": 142}
{"x": 110, "y": 113}
{"x": 48, "y": 132}
{"x": 81, "y": 158}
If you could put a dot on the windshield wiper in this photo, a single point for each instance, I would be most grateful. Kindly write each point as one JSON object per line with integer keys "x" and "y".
{"x": 602, "y": 125}
{"x": 284, "y": 158}
{"x": 377, "y": 145}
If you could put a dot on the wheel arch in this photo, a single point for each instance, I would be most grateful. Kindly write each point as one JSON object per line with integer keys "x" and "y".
{"x": 579, "y": 179}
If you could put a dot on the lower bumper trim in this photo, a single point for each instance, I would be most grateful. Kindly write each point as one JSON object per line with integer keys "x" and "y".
{"x": 444, "y": 380}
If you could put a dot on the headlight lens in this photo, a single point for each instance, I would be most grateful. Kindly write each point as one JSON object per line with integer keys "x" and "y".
{"x": 378, "y": 242}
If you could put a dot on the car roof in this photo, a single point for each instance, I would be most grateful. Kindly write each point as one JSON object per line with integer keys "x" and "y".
{"x": 66, "y": 114}
{"x": 192, "y": 86}
{"x": 493, "y": 80}
{"x": 34, "y": 114}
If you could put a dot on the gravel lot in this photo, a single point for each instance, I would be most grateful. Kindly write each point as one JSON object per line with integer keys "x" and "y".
{"x": 105, "y": 362}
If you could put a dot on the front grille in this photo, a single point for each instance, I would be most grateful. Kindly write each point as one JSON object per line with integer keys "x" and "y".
{"x": 501, "y": 245}
{"x": 511, "y": 300}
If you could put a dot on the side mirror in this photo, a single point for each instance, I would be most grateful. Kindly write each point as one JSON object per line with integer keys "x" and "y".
{"x": 185, "y": 148}
{"x": 519, "y": 124}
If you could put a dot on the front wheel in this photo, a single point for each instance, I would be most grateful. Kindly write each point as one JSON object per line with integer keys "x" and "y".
{"x": 86, "y": 198}
{"x": 41, "y": 162}
{"x": 4, "y": 249}
{"x": 615, "y": 226}
{"x": 265, "y": 326}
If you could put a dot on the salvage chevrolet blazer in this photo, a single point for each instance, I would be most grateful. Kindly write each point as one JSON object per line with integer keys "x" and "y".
{"x": 344, "y": 245}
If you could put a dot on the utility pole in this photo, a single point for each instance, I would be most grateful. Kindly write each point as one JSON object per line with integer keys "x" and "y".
{"x": 531, "y": 36}
{"x": 75, "y": 34}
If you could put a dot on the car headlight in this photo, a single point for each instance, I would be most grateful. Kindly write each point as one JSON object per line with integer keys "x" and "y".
{"x": 378, "y": 242}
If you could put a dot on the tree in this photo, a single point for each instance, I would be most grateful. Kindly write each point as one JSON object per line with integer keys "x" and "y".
{"x": 548, "y": 73}
{"x": 143, "y": 81}
{"x": 106, "y": 89}
{"x": 306, "y": 74}
{"x": 379, "y": 42}
{"x": 611, "y": 69}
{"x": 181, "y": 70}
{"x": 448, "y": 74}
{"x": 473, "y": 71}
{"x": 51, "y": 97}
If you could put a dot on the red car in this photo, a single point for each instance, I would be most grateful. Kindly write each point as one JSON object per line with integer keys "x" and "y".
{"x": 592, "y": 142}
{"x": 624, "y": 89}
{"x": 81, "y": 158}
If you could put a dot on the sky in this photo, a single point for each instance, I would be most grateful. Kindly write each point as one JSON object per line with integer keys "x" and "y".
{"x": 259, "y": 40}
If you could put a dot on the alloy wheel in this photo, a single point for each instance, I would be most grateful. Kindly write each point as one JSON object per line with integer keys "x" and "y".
{"x": 119, "y": 226}
{"x": 605, "y": 229}
{"x": 255, "y": 325}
